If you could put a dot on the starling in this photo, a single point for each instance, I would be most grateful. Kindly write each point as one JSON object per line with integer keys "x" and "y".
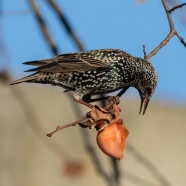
{"x": 96, "y": 72}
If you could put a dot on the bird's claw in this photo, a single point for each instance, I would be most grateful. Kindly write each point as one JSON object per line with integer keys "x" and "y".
{"x": 114, "y": 99}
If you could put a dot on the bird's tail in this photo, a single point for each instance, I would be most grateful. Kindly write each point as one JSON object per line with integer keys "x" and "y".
{"x": 29, "y": 78}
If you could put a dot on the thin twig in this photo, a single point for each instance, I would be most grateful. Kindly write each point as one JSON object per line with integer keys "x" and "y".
{"x": 144, "y": 52}
{"x": 43, "y": 26}
{"x": 95, "y": 110}
{"x": 181, "y": 39}
{"x": 162, "y": 44}
{"x": 171, "y": 33}
{"x": 176, "y": 7}
{"x": 67, "y": 125}
{"x": 66, "y": 24}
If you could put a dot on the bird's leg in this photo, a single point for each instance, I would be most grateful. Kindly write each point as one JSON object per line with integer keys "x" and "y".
{"x": 122, "y": 91}
{"x": 97, "y": 99}
{"x": 87, "y": 98}
{"x": 83, "y": 103}
{"x": 116, "y": 99}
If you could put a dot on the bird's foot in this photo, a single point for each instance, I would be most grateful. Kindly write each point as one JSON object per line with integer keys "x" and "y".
{"x": 114, "y": 99}
{"x": 83, "y": 103}
{"x": 87, "y": 98}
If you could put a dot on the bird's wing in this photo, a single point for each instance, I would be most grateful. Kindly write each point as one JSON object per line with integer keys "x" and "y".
{"x": 70, "y": 62}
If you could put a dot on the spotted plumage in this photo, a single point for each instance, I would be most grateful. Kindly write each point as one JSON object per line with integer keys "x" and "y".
{"x": 96, "y": 72}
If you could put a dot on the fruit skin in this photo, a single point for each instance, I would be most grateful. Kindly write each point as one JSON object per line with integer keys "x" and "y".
{"x": 112, "y": 139}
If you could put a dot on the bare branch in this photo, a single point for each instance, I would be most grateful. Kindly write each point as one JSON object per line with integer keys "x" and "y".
{"x": 162, "y": 44}
{"x": 169, "y": 17}
{"x": 66, "y": 24}
{"x": 144, "y": 52}
{"x": 181, "y": 39}
{"x": 43, "y": 26}
{"x": 176, "y": 7}
{"x": 67, "y": 125}
{"x": 96, "y": 114}
{"x": 171, "y": 33}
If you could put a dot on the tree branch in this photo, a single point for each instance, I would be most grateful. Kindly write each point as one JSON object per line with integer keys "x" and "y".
{"x": 67, "y": 125}
{"x": 170, "y": 35}
{"x": 144, "y": 52}
{"x": 176, "y": 7}
{"x": 162, "y": 44}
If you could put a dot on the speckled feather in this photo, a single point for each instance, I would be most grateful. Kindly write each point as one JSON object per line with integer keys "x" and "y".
{"x": 94, "y": 72}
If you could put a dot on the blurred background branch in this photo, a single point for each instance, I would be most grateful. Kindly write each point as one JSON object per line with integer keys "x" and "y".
{"x": 90, "y": 149}
{"x": 64, "y": 22}
{"x": 43, "y": 27}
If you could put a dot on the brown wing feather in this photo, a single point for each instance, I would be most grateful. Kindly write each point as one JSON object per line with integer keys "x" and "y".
{"x": 69, "y": 63}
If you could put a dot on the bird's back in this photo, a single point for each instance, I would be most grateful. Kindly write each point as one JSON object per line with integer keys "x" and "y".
{"x": 94, "y": 72}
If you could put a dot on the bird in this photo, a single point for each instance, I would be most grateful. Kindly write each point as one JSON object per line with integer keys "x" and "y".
{"x": 93, "y": 72}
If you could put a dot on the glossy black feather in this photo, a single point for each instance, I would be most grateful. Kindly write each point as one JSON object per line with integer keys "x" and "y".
{"x": 94, "y": 72}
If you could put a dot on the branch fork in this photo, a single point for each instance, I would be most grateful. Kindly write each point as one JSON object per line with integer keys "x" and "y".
{"x": 172, "y": 32}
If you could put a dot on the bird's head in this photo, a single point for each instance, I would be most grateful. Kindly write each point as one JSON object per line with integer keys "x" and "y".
{"x": 146, "y": 87}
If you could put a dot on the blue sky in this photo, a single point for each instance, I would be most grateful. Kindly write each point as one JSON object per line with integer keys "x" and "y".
{"x": 100, "y": 24}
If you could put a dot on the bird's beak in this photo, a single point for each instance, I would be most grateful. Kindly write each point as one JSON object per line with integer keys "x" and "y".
{"x": 144, "y": 104}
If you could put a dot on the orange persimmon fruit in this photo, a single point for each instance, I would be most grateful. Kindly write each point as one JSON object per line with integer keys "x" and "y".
{"x": 112, "y": 139}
